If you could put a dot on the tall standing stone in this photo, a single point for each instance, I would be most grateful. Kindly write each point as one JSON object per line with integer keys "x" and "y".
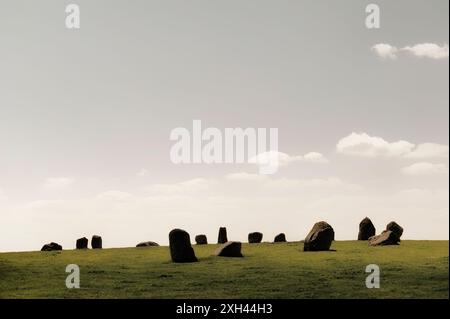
{"x": 319, "y": 238}
{"x": 222, "y": 235}
{"x": 366, "y": 229}
{"x": 180, "y": 247}
{"x": 96, "y": 242}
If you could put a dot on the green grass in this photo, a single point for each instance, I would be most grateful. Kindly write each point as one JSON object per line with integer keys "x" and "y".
{"x": 414, "y": 269}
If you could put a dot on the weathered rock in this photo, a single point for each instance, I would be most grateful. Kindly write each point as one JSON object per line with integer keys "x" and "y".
{"x": 51, "y": 247}
{"x": 387, "y": 237}
{"x": 319, "y": 238}
{"x": 255, "y": 238}
{"x": 366, "y": 229}
{"x": 222, "y": 235}
{"x": 395, "y": 228}
{"x": 82, "y": 243}
{"x": 147, "y": 244}
{"x": 180, "y": 247}
{"x": 230, "y": 249}
{"x": 96, "y": 242}
{"x": 280, "y": 238}
{"x": 201, "y": 240}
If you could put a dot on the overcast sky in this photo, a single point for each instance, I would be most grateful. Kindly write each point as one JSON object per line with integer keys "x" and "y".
{"x": 85, "y": 118}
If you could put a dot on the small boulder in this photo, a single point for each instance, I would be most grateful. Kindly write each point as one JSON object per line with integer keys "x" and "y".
{"x": 395, "y": 228}
{"x": 230, "y": 249}
{"x": 222, "y": 239}
{"x": 280, "y": 238}
{"x": 387, "y": 237}
{"x": 366, "y": 229}
{"x": 201, "y": 240}
{"x": 82, "y": 243}
{"x": 96, "y": 242}
{"x": 51, "y": 247}
{"x": 147, "y": 244}
{"x": 180, "y": 247}
{"x": 319, "y": 238}
{"x": 255, "y": 238}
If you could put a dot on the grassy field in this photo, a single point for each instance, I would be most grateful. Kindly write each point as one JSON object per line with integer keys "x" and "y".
{"x": 415, "y": 269}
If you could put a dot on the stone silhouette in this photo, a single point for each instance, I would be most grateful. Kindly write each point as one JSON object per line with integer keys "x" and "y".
{"x": 280, "y": 238}
{"x": 82, "y": 243}
{"x": 319, "y": 238}
{"x": 96, "y": 242}
{"x": 147, "y": 244}
{"x": 230, "y": 249}
{"x": 51, "y": 247}
{"x": 366, "y": 229}
{"x": 201, "y": 240}
{"x": 222, "y": 235}
{"x": 395, "y": 228}
{"x": 255, "y": 238}
{"x": 180, "y": 247}
{"x": 387, "y": 237}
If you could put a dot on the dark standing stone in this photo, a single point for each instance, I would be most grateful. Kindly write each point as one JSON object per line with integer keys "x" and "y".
{"x": 255, "y": 238}
{"x": 280, "y": 238}
{"x": 395, "y": 228}
{"x": 51, "y": 247}
{"x": 147, "y": 244}
{"x": 96, "y": 242}
{"x": 82, "y": 243}
{"x": 230, "y": 249}
{"x": 180, "y": 247}
{"x": 366, "y": 229}
{"x": 201, "y": 240}
{"x": 222, "y": 235}
{"x": 387, "y": 237}
{"x": 319, "y": 238}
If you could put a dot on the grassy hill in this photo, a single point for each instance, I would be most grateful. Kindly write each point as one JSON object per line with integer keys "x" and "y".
{"x": 415, "y": 269}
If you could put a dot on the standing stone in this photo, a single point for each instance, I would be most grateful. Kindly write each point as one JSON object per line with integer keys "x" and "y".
{"x": 366, "y": 229}
{"x": 255, "y": 238}
{"x": 96, "y": 242}
{"x": 230, "y": 249}
{"x": 395, "y": 228}
{"x": 82, "y": 243}
{"x": 51, "y": 247}
{"x": 201, "y": 240}
{"x": 387, "y": 237}
{"x": 280, "y": 238}
{"x": 319, "y": 238}
{"x": 147, "y": 244}
{"x": 222, "y": 235}
{"x": 180, "y": 247}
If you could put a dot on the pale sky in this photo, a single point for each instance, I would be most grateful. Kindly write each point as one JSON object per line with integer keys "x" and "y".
{"x": 85, "y": 118}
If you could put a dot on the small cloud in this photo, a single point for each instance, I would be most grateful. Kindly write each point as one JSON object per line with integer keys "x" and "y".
{"x": 285, "y": 159}
{"x": 425, "y": 168}
{"x": 143, "y": 172}
{"x": 314, "y": 157}
{"x": 56, "y": 183}
{"x": 362, "y": 144}
{"x": 422, "y": 50}
{"x": 429, "y": 150}
{"x": 428, "y": 50}
{"x": 385, "y": 51}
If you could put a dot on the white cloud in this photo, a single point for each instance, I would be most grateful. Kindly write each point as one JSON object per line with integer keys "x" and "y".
{"x": 428, "y": 50}
{"x": 143, "y": 172}
{"x": 429, "y": 150}
{"x": 425, "y": 168}
{"x": 285, "y": 159}
{"x": 362, "y": 144}
{"x": 385, "y": 51}
{"x": 56, "y": 183}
